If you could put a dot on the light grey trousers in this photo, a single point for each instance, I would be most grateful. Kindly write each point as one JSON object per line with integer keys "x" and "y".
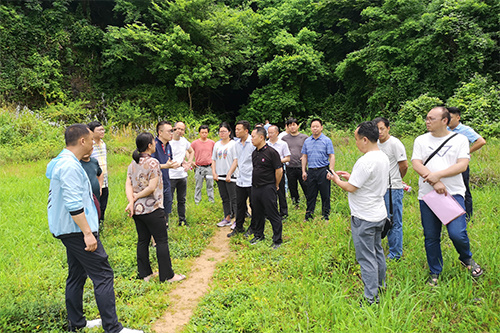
{"x": 199, "y": 175}
{"x": 369, "y": 254}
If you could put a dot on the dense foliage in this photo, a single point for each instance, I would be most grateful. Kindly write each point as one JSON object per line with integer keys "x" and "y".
{"x": 134, "y": 61}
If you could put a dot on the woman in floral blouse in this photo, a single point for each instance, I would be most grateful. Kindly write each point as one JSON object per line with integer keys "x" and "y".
{"x": 144, "y": 190}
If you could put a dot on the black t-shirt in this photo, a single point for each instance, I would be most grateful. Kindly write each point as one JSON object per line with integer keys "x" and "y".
{"x": 93, "y": 171}
{"x": 265, "y": 162}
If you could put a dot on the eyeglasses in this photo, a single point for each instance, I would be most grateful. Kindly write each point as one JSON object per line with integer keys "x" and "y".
{"x": 223, "y": 131}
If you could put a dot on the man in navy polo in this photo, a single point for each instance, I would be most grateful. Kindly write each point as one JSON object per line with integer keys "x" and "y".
{"x": 163, "y": 154}
{"x": 318, "y": 156}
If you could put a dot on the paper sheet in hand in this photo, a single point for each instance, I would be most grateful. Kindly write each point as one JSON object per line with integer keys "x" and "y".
{"x": 445, "y": 207}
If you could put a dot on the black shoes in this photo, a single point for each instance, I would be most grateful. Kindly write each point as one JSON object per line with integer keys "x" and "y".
{"x": 235, "y": 232}
{"x": 248, "y": 233}
{"x": 256, "y": 239}
{"x": 276, "y": 246}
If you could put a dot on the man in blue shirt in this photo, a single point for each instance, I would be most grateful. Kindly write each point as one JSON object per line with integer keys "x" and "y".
{"x": 318, "y": 156}
{"x": 73, "y": 219}
{"x": 476, "y": 142}
{"x": 163, "y": 154}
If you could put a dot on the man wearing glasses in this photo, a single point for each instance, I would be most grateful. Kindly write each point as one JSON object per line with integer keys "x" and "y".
{"x": 163, "y": 154}
{"x": 442, "y": 172}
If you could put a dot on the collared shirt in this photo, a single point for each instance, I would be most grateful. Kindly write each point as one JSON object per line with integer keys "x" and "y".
{"x": 244, "y": 152}
{"x": 265, "y": 161}
{"x": 163, "y": 153}
{"x": 70, "y": 193}
{"x": 471, "y": 135}
{"x": 99, "y": 153}
{"x": 318, "y": 151}
{"x": 281, "y": 147}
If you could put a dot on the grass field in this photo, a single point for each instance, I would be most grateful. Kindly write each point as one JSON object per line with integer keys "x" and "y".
{"x": 311, "y": 284}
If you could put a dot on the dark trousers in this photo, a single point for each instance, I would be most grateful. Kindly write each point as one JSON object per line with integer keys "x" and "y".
{"x": 264, "y": 203}
{"x": 316, "y": 181}
{"x": 294, "y": 176}
{"x": 282, "y": 198}
{"x": 95, "y": 265}
{"x": 147, "y": 225}
{"x": 468, "y": 195}
{"x": 242, "y": 194}
{"x": 103, "y": 201}
{"x": 181, "y": 186}
{"x": 227, "y": 193}
{"x": 167, "y": 199}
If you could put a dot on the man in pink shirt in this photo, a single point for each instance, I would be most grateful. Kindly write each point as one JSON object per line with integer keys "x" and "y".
{"x": 203, "y": 148}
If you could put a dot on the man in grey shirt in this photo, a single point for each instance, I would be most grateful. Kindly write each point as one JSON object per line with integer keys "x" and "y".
{"x": 295, "y": 141}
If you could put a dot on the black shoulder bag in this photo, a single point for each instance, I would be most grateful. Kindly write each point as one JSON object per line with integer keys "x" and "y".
{"x": 388, "y": 220}
{"x": 436, "y": 151}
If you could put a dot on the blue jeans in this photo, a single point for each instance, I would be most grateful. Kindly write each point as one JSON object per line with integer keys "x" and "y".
{"x": 457, "y": 230}
{"x": 395, "y": 235}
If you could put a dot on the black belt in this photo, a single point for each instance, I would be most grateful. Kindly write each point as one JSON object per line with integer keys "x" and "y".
{"x": 323, "y": 167}
{"x": 204, "y": 166}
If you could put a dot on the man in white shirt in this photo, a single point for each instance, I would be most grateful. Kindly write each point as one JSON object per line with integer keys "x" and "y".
{"x": 366, "y": 186}
{"x": 396, "y": 152}
{"x": 183, "y": 154}
{"x": 243, "y": 161}
{"x": 282, "y": 148}
{"x": 442, "y": 173}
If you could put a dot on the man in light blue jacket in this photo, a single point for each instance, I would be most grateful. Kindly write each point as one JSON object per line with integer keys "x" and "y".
{"x": 73, "y": 219}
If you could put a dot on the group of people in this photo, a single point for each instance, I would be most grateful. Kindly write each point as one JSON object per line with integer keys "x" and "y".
{"x": 252, "y": 167}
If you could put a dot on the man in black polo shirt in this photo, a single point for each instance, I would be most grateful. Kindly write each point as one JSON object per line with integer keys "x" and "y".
{"x": 266, "y": 176}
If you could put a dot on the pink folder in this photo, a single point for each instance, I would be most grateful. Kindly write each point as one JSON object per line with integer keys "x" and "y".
{"x": 445, "y": 207}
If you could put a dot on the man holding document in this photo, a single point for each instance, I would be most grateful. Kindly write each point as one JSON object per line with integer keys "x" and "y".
{"x": 439, "y": 157}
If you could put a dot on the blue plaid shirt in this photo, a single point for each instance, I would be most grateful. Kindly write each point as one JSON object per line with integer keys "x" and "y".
{"x": 317, "y": 151}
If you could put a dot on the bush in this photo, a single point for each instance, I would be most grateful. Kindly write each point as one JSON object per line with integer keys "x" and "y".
{"x": 411, "y": 118}
{"x": 479, "y": 102}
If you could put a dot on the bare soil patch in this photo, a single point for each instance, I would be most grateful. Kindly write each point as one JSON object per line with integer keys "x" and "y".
{"x": 186, "y": 296}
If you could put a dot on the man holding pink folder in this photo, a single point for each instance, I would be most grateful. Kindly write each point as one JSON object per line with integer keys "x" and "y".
{"x": 439, "y": 157}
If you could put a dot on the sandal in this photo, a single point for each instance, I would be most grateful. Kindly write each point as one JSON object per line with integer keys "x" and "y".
{"x": 433, "y": 280}
{"x": 150, "y": 276}
{"x": 177, "y": 277}
{"x": 473, "y": 267}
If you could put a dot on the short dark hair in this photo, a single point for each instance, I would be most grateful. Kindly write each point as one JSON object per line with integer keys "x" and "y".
{"x": 259, "y": 125}
{"x": 318, "y": 120}
{"x": 203, "y": 127}
{"x": 74, "y": 132}
{"x": 369, "y": 130}
{"x": 160, "y": 124}
{"x": 245, "y": 124}
{"x": 261, "y": 131}
{"x": 454, "y": 110}
{"x": 291, "y": 121}
{"x": 382, "y": 120}
{"x": 93, "y": 124}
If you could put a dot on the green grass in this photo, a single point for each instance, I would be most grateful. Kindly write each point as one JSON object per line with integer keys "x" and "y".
{"x": 311, "y": 284}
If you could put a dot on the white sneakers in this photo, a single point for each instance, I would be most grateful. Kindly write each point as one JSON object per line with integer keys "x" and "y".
{"x": 93, "y": 323}
{"x": 129, "y": 330}
{"x": 98, "y": 323}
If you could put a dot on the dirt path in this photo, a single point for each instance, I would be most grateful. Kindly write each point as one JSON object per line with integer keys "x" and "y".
{"x": 186, "y": 296}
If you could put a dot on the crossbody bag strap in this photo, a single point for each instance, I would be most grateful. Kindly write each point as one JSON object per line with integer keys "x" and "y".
{"x": 390, "y": 196}
{"x": 436, "y": 151}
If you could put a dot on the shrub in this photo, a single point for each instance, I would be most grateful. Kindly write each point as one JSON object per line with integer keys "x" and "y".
{"x": 411, "y": 118}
